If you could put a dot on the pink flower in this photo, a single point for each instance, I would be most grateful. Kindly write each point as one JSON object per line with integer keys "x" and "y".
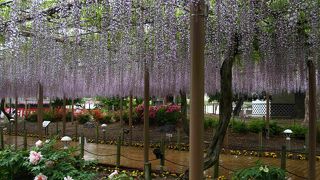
{"x": 39, "y": 143}
{"x": 41, "y": 177}
{"x": 35, "y": 157}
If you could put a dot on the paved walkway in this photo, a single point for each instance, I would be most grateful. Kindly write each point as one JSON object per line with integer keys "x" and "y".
{"x": 176, "y": 161}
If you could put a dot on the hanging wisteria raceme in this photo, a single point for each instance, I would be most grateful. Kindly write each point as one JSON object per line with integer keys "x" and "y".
{"x": 87, "y": 48}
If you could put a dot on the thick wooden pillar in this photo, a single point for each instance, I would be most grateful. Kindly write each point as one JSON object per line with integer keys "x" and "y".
{"x": 40, "y": 110}
{"x": 16, "y": 124}
{"x": 147, "y": 164}
{"x": 130, "y": 118}
{"x": 64, "y": 116}
{"x": 121, "y": 111}
{"x": 268, "y": 115}
{"x": 197, "y": 37}
{"x": 312, "y": 121}
{"x": 146, "y": 116}
{"x": 72, "y": 110}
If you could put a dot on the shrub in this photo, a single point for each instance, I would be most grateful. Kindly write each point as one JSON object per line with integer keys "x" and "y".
{"x": 97, "y": 115}
{"x": 48, "y": 116}
{"x": 125, "y": 116}
{"x": 210, "y": 122}
{"x": 83, "y": 117}
{"x": 298, "y": 131}
{"x": 260, "y": 172}
{"x": 32, "y": 117}
{"x": 68, "y": 116}
{"x": 161, "y": 116}
{"x": 275, "y": 129}
{"x": 239, "y": 127}
{"x": 54, "y": 163}
{"x": 167, "y": 114}
{"x": 11, "y": 166}
{"x": 106, "y": 119}
{"x": 135, "y": 118}
{"x": 256, "y": 126}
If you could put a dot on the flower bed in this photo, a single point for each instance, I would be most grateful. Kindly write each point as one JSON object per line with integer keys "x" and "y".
{"x": 44, "y": 162}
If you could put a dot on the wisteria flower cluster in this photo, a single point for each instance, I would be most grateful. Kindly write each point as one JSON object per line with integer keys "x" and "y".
{"x": 108, "y": 53}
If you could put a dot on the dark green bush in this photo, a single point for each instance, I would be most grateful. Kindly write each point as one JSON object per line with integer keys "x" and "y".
{"x": 11, "y": 166}
{"x": 116, "y": 116}
{"x": 106, "y": 119}
{"x": 298, "y": 131}
{"x": 239, "y": 127}
{"x": 32, "y": 117}
{"x": 48, "y": 116}
{"x": 161, "y": 116}
{"x": 256, "y": 126}
{"x": 210, "y": 122}
{"x": 275, "y": 129}
{"x": 68, "y": 116}
{"x": 83, "y": 118}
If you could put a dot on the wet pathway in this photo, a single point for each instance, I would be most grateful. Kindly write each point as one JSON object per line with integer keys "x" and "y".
{"x": 176, "y": 161}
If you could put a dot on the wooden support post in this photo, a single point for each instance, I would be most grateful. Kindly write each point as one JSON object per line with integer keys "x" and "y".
{"x": 57, "y": 128}
{"x": 312, "y": 121}
{"x": 64, "y": 116}
{"x": 197, "y": 42}
{"x": 10, "y": 107}
{"x": 178, "y": 139}
{"x": 260, "y": 143}
{"x": 40, "y": 110}
{"x": 268, "y": 116}
{"x": 283, "y": 157}
{"x": 97, "y": 132}
{"x": 121, "y": 112}
{"x": 72, "y": 110}
{"x": 25, "y": 115}
{"x": 118, "y": 152}
{"x": 74, "y": 120}
{"x": 130, "y": 118}
{"x": 82, "y": 146}
{"x": 16, "y": 125}
{"x": 25, "y": 139}
{"x": 76, "y": 127}
{"x": 146, "y": 124}
{"x": 163, "y": 152}
{"x": 1, "y": 139}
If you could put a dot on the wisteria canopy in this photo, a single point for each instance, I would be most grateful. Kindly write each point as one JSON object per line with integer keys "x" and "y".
{"x": 78, "y": 48}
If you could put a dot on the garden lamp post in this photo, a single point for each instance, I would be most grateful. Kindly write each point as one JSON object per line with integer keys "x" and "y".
{"x": 66, "y": 141}
{"x": 288, "y": 133}
{"x": 104, "y": 126}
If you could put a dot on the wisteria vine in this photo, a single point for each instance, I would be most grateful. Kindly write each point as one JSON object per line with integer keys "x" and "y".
{"x": 79, "y": 48}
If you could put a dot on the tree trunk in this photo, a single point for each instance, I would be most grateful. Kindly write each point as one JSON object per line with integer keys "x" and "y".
{"x": 238, "y": 107}
{"x": 2, "y": 109}
{"x": 184, "y": 118}
{"x": 225, "y": 110}
{"x": 225, "y": 107}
